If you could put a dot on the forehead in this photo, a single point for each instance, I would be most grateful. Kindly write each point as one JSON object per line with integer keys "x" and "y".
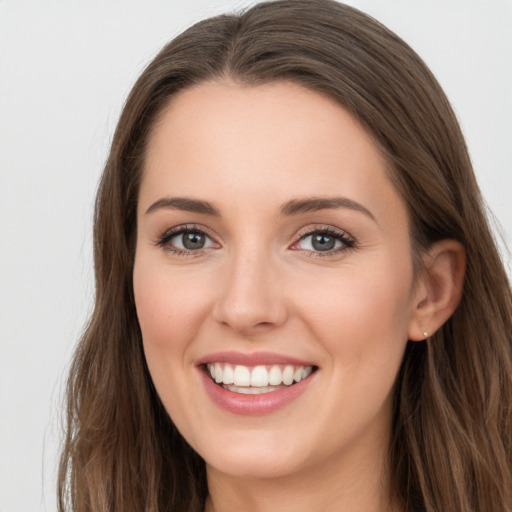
{"x": 274, "y": 140}
{"x": 265, "y": 116}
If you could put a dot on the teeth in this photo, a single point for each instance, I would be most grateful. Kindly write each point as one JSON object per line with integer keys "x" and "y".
{"x": 275, "y": 376}
{"x": 288, "y": 375}
{"x": 250, "y": 390}
{"x": 242, "y": 376}
{"x": 218, "y": 373}
{"x": 228, "y": 376}
{"x": 258, "y": 378}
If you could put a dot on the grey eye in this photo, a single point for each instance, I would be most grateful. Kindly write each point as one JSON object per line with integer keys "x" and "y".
{"x": 193, "y": 241}
{"x": 187, "y": 241}
{"x": 321, "y": 242}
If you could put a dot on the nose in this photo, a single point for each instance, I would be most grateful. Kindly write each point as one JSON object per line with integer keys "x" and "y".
{"x": 250, "y": 298}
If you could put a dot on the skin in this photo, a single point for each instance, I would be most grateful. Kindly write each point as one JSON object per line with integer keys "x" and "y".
{"x": 258, "y": 286}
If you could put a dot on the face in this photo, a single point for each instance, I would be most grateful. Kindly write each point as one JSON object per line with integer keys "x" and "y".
{"x": 273, "y": 257}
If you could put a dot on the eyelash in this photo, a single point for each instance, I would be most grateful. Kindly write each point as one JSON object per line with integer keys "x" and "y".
{"x": 164, "y": 240}
{"x": 347, "y": 242}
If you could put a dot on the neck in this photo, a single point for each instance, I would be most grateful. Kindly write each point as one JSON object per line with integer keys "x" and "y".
{"x": 358, "y": 482}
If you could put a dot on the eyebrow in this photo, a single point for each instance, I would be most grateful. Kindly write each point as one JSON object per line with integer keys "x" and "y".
{"x": 315, "y": 204}
{"x": 290, "y": 208}
{"x": 185, "y": 204}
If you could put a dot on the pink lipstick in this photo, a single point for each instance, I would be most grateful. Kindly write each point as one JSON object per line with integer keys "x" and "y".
{"x": 254, "y": 384}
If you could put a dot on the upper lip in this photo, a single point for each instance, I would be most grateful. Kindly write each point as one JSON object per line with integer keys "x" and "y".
{"x": 252, "y": 359}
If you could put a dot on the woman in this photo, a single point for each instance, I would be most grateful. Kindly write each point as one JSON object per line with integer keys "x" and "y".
{"x": 299, "y": 303}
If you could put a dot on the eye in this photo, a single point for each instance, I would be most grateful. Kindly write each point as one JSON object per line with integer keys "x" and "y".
{"x": 324, "y": 242}
{"x": 190, "y": 241}
{"x": 186, "y": 240}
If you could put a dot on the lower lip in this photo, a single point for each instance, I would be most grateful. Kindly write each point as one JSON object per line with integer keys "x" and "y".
{"x": 253, "y": 405}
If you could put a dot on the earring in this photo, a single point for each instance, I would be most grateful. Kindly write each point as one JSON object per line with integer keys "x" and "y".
{"x": 425, "y": 334}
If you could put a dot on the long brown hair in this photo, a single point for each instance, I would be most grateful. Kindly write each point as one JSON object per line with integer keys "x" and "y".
{"x": 452, "y": 428}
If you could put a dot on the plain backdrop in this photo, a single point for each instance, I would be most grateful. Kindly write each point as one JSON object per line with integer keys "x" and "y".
{"x": 65, "y": 70}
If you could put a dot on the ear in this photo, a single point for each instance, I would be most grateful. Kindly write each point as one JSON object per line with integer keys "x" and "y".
{"x": 439, "y": 288}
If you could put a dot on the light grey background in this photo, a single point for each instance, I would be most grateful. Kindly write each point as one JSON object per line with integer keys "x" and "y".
{"x": 65, "y": 69}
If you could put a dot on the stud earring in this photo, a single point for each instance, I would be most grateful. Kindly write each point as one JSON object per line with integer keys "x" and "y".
{"x": 425, "y": 334}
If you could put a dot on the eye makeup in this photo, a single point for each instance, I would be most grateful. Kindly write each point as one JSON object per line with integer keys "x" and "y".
{"x": 323, "y": 242}
{"x": 192, "y": 240}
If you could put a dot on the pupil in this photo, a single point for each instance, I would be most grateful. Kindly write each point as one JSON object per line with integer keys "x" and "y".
{"x": 323, "y": 242}
{"x": 193, "y": 241}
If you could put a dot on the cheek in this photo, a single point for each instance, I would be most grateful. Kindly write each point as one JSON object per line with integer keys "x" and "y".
{"x": 170, "y": 309}
{"x": 362, "y": 318}
{"x": 167, "y": 303}
{"x": 361, "y": 324}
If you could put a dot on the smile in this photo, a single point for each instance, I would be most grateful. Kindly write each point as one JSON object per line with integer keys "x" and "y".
{"x": 255, "y": 384}
{"x": 256, "y": 380}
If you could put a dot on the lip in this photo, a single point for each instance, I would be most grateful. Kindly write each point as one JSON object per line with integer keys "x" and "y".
{"x": 252, "y": 359}
{"x": 253, "y": 405}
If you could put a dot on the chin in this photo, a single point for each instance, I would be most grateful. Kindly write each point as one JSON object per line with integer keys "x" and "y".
{"x": 254, "y": 466}
{"x": 255, "y": 458}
